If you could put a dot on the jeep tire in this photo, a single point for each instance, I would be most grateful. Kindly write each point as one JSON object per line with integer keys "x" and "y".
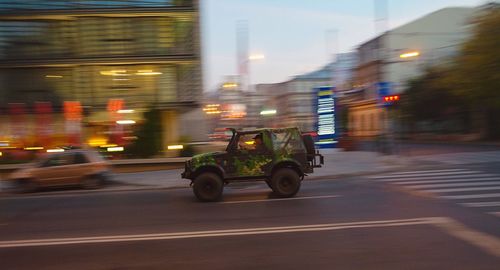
{"x": 285, "y": 183}
{"x": 208, "y": 187}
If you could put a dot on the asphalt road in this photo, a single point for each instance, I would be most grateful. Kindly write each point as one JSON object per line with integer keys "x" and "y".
{"x": 348, "y": 223}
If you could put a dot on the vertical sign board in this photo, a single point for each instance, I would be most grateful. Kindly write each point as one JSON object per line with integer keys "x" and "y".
{"x": 383, "y": 89}
{"x": 325, "y": 117}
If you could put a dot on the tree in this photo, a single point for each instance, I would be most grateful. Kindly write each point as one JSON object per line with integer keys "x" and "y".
{"x": 428, "y": 100}
{"x": 149, "y": 139}
{"x": 475, "y": 74}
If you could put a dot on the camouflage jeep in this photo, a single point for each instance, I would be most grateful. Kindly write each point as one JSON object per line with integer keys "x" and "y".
{"x": 281, "y": 157}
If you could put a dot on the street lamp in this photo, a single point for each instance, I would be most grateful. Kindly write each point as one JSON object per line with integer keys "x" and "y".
{"x": 256, "y": 57}
{"x": 253, "y": 57}
{"x": 409, "y": 54}
{"x": 268, "y": 112}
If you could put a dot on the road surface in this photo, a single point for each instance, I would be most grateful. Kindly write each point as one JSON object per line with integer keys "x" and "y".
{"x": 372, "y": 222}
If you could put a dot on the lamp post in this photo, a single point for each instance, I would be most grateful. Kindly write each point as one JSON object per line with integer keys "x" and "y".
{"x": 389, "y": 100}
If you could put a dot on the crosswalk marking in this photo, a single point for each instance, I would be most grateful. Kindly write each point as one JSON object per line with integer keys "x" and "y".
{"x": 462, "y": 189}
{"x": 437, "y": 177}
{"x": 426, "y": 174}
{"x": 462, "y": 158}
{"x": 481, "y": 204}
{"x": 428, "y": 171}
{"x": 468, "y": 188}
{"x": 474, "y": 196}
{"x": 447, "y": 181}
{"x": 455, "y": 185}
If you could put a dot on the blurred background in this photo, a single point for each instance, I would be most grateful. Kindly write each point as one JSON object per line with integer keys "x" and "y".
{"x": 165, "y": 78}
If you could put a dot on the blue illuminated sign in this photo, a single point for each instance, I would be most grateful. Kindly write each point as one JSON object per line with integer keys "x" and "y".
{"x": 325, "y": 117}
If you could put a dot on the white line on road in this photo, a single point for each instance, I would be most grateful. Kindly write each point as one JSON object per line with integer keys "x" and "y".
{"x": 428, "y": 171}
{"x": 473, "y": 196}
{"x": 470, "y": 177}
{"x": 481, "y": 240}
{"x": 491, "y": 183}
{"x": 423, "y": 174}
{"x": 495, "y": 213}
{"x": 481, "y": 204}
{"x": 281, "y": 199}
{"x": 446, "y": 181}
{"x": 486, "y": 242}
{"x": 462, "y": 189}
{"x": 199, "y": 234}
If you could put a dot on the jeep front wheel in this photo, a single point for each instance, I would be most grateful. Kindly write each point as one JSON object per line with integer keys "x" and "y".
{"x": 285, "y": 182}
{"x": 208, "y": 187}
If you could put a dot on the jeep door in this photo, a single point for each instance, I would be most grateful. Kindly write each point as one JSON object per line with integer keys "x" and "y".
{"x": 249, "y": 157}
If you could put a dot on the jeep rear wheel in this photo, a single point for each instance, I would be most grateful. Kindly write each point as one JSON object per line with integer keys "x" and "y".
{"x": 285, "y": 182}
{"x": 208, "y": 187}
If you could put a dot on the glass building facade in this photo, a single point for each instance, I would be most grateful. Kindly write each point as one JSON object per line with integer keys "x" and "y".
{"x": 146, "y": 53}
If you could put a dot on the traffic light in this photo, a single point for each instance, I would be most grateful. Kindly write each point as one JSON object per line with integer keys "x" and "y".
{"x": 390, "y": 100}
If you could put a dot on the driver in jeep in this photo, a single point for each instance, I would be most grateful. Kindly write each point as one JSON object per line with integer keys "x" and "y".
{"x": 259, "y": 144}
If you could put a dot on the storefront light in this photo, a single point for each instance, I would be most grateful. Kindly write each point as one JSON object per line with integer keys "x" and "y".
{"x": 108, "y": 145}
{"x": 57, "y": 150}
{"x": 175, "y": 147}
{"x": 147, "y": 72}
{"x": 115, "y": 149}
{"x": 125, "y": 111}
{"x": 96, "y": 141}
{"x": 268, "y": 112}
{"x": 33, "y": 148}
{"x": 119, "y": 72}
{"x": 125, "y": 122}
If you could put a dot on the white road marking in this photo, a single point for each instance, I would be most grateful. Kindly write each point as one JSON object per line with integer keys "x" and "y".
{"x": 424, "y": 174}
{"x": 492, "y": 183}
{"x": 473, "y": 176}
{"x": 281, "y": 199}
{"x": 214, "y": 233}
{"x": 481, "y": 204}
{"x": 487, "y": 243}
{"x": 473, "y": 196}
{"x": 495, "y": 213}
{"x": 446, "y": 181}
{"x": 462, "y": 189}
{"x": 428, "y": 171}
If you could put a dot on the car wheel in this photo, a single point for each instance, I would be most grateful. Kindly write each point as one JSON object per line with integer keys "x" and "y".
{"x": 208, "y": 187}
{"x": 285, "y": 182}
{"x": 92, "y": 182}
{"x": 25, "y": 186}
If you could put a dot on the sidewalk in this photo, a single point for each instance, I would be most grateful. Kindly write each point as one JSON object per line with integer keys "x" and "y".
{"x": 337, "y": 164}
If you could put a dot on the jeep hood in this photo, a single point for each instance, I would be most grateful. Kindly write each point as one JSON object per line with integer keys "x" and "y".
{"x": 208, "y": 155}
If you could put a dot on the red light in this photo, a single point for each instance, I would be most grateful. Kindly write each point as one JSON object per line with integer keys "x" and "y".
{"x": 386, "y": 98}
{"x": 396, "y": 97}
{"x": 391, "y": 98}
